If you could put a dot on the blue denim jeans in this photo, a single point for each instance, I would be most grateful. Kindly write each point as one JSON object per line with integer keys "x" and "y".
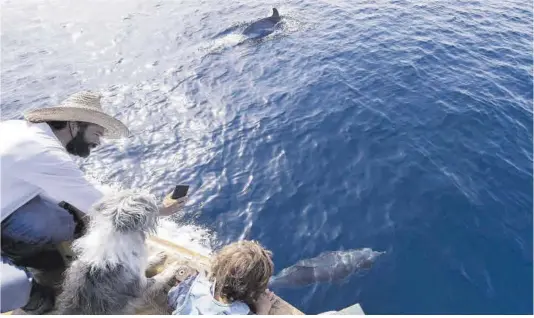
{"x": 39, "y": 222}
{"x": 28, "y": 236}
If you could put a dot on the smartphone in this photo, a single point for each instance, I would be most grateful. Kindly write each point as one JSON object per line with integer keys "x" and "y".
{"x": 180, "y": 191}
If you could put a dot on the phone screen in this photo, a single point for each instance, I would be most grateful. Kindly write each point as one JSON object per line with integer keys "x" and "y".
{"x": 180, "y": 191}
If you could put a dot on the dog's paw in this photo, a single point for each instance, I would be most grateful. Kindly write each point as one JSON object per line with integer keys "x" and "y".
{"x": 170, "y": 269}
{"x": 154, "y": 262}
{"x": 167, "y": 276}
{"x": 157, "y": 259}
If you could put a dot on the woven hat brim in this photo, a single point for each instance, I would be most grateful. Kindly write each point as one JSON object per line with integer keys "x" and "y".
{"x": 114, "y": 128}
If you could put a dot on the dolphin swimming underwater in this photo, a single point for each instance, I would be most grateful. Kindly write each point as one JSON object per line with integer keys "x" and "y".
{"x": 263, "y": 26}
{"x": 327, "y": 267}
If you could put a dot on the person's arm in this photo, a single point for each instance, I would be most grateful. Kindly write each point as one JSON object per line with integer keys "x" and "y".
{"x": 60, "y": 178}
{"x": 264, "y": 303}
{"x": 57, "y": 174}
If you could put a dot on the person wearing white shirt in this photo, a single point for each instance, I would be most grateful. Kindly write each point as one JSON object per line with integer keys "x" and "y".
{"x": 37, "y": 172}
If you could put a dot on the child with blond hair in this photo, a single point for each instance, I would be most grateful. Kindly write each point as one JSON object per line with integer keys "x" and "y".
{"x": 239, "y": 277}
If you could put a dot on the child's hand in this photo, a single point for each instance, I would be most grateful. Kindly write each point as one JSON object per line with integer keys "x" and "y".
{"x": 265, "y": 302}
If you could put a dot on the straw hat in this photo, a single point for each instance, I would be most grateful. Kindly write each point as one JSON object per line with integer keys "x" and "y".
{"x": 82, "y": 106}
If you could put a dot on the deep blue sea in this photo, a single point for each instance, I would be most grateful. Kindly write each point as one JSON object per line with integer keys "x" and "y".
{"x": 404, "y": 126}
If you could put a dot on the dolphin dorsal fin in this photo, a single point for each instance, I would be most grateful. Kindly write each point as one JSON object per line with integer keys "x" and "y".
{"x": 275, "y": 13}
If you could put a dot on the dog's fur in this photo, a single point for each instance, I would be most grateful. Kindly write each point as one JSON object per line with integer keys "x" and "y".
{"x": 108, "y": 276}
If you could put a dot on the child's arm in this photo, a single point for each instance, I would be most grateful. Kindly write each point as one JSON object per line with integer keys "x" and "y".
{"x": 264, "y": 303}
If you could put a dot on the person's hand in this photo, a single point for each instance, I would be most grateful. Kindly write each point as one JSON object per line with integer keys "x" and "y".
{"x": 265, "y": 302}
{"x": 171, "y": 206}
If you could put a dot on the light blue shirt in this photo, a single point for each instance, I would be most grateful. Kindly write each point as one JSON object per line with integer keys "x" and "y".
{"x": 194, "y": 296}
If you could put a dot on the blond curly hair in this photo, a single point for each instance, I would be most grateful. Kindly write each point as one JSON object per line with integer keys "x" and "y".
{"x": 241, "y": 271}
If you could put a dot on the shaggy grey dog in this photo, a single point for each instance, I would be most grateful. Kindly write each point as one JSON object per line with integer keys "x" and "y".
{"x": 108, "y": 276}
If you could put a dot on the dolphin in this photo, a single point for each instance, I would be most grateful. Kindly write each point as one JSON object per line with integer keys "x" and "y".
{"x": 327, "y": 267}
{"x": 263, "y": 26}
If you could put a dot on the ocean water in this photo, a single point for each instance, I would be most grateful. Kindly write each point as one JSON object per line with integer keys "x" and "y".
{"x": 404, "y": 126}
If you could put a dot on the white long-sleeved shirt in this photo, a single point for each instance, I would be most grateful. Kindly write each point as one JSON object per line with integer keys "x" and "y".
{"x": 34, "y": 162}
